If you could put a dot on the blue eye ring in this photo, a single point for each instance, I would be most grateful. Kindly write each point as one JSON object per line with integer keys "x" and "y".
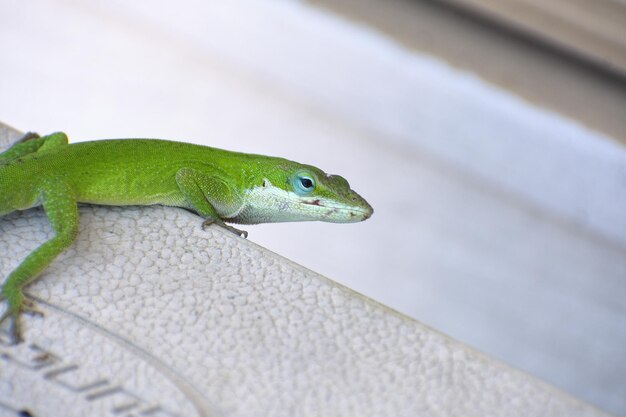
{"x": 303, "y": 183}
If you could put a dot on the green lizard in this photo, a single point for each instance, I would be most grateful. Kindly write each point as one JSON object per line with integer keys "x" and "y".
{"x": 220, "y": 186}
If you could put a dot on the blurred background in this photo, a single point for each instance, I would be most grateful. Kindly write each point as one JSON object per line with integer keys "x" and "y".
{"x": 488, "y": 135}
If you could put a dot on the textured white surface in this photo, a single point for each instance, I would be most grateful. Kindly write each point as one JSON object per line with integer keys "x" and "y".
{"x": 147, "y": 312}
{"x": 496, "y": 222}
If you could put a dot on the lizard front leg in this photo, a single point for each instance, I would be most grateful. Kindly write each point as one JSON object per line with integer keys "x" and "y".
{"x": 61, "y": 208}
{"x": 208, "y": 196}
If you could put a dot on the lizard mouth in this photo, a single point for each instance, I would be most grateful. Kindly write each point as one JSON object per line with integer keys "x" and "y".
{"x": 343, "y": 213}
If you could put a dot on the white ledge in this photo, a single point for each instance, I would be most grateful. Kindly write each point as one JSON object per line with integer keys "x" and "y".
{"x": 146, "y": 312}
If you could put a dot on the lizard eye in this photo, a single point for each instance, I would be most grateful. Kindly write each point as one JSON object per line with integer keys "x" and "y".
{"x": 303, "y": 184}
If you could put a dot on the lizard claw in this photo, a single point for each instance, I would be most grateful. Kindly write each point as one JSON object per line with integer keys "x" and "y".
{"x": 28, "y": 307}
{"x": 16, "y": 306}
{"x": 231, "y": 229}
{"x": 14, "y": 328}
{"x": 28, "y": 136}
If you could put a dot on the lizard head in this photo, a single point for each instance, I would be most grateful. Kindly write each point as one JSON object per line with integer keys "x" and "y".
{"x": 297, "y": 192}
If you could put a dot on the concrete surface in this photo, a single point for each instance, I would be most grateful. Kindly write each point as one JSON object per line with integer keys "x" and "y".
{"x": 148, "y": 315}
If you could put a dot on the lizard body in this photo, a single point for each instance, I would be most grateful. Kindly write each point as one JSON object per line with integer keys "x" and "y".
{"x": 221, "y": 186}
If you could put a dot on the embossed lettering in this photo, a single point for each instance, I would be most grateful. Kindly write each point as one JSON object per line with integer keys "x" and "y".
{"x": 72, "y": 377}
{"x": 121, "y": 400}
{"x": 60, "y": 376}
{"x": 29, "y": 356}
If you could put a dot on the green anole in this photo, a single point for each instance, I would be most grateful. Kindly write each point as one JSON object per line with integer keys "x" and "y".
{"x": 220, "y": 186}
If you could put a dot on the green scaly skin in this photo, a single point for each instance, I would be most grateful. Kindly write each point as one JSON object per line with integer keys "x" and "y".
{"x": 220, "y": 186}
